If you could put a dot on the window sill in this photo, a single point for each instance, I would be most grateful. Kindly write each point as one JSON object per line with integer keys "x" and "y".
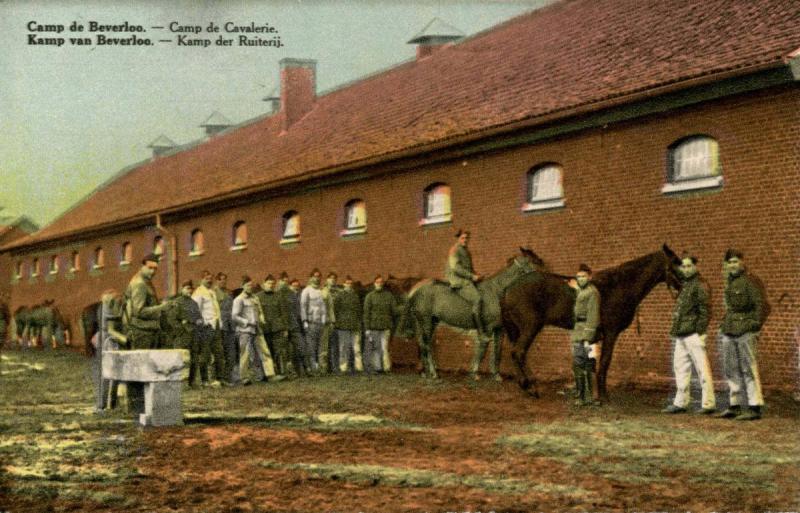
{"x": 125, "y": 263}
{"x": 239, "y": 247}
{"x": 73, "y": 270}
{"x": 97, "y": 267}
{"x": 199, "y": 253}
{"x": 547, "y": 204}
{"x": 708, "y": 182}
{"x": 429, "y": 221}
{"x": 287, "y": 241}
{"x": 353, "y": 231}
{"x": 52, "y": 273}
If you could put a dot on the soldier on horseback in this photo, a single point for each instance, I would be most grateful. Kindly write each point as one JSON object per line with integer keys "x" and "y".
{"x": 462, "y": 278}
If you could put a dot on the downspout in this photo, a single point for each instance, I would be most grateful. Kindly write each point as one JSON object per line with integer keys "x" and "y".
{"x": 173, "y": 260}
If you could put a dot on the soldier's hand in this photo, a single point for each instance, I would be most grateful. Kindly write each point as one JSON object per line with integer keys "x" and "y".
{"x": 476, "y": 277}
{"x": 305, "y": 325}
{"x": 285, "y": 333}
{"x": 702, "y": 338}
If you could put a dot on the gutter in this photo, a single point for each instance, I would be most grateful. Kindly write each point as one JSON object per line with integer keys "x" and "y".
{"x": 790, "y": 64}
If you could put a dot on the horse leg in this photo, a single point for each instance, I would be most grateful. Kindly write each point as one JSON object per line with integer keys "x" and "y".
{"x": 494, "y": 363}
{"x": 519, "y": 355}
{"x": 606, "y": 350}
{"x": 429, "y": 332}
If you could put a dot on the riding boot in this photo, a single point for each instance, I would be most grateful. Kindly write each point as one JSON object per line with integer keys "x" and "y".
{"x": 589, "y": 387}
{"x": 580, "y": 385}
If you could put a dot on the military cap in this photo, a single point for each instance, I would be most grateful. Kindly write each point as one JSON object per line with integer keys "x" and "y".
{"x": 733, "y": 253}
{"x": 151, "y": 257}
{"x": 187, "y": 283}
{"x": 584, "y": 268}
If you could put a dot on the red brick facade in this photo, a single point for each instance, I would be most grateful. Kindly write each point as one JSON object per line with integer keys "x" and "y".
{"x": 614, "y": 211}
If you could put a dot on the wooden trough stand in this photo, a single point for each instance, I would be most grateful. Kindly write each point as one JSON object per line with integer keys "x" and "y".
{"x": 153, "y": 378}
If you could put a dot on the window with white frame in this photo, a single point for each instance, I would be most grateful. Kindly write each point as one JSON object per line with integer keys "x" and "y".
{"x": 53, "y": 267}
{"x": 18, "y": 267}
{"x": 291, "y": 227}
{"x": 693, "y": 164}
{"x": 436, "y": 201}
{"x": 99, "y": 258}
{"x": 198, "y": 242}
{"x": 158, "y": 246}
{"x": 545, "y": 188}
{"x": 355, "y": 217}
{"x": 75, "y": 262}
{"x": 35, "y": 268}
{"x": 239, "y": 235}
{"x": 125, "y": 253}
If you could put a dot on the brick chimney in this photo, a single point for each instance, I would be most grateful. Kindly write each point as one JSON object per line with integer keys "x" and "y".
{"x": 298, "y": 89}
{"x": 435, "y": 36}
{"x": 161, "y": 145}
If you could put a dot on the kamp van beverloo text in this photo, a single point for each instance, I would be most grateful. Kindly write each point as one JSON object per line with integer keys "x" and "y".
{"x": 175, "y": 33}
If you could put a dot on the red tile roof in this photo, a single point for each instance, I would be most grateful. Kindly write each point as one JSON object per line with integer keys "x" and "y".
{"x": 570, "y": 54}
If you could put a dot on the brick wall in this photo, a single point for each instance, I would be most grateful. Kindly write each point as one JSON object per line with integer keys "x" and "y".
{"x": 614, "y": 211}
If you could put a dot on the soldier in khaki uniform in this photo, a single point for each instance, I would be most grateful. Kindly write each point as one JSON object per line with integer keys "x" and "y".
{"x": 142, "y": 308}
{"x": 688, "y": 334}
{"x": 586, "y": 316}
{"x": 462, "y": 278}
{"x": 738, "y": 335}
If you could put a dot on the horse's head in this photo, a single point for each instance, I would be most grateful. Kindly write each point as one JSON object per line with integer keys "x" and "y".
{"x": 672, "y": 265}
{"x": 526, "y": 262}
{"x": 534, "y": 259}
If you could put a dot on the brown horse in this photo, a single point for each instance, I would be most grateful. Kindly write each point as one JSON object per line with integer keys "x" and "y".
{"x": 526, "y": 309}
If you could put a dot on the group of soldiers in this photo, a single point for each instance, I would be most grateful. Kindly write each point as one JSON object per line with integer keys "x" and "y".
{"x": 280, "y": 332}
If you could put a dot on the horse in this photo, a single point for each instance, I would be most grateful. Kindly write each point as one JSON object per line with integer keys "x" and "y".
{"x": 550, "y": 301}
{"x": 43, "y": 320}
{"x": 433, "y": 301}
{"x": 90, "y": 325}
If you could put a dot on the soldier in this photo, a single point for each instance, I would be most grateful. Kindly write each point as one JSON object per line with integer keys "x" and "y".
{"x": 189, "y": 322}
{"x": 206, "y": 299}
{"x": 296, "y": 328}
{"x": 739, "y": 333}
{"x": 276, "y": 326}
{"x": 347, "y": 309}
{"x": 229, "y": 344}
{"x": 586, "y": 316}
{"x": 688, "y": 334}
{"x": 313, "y": 314}
{"x": 246, "y": 316}
{"x": 379, "y": 317}
{"x": 329, "y": 348}
{"x": 142, "y": 309}
{"x": 109, "y": 338}
{"x": 462, "y": 278}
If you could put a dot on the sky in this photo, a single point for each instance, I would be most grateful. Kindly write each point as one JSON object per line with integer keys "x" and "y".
{"x": 72, "y": 116}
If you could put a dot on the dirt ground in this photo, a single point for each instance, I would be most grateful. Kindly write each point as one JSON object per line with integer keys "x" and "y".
{"x": 383, "y": 444}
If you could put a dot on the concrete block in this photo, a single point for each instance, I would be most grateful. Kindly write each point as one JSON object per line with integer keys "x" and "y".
{"x": 145, "y": 366}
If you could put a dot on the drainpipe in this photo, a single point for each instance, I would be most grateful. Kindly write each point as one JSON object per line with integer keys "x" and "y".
{"x": 173, "y": 260}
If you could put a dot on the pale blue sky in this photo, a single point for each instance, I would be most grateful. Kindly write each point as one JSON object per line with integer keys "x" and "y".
{"x": 73, "y": 116}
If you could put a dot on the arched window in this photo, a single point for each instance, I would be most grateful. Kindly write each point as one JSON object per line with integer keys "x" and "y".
{"x": 158, "y": 246}
{"x": 125, "y": 253}
{"x": 35, "y": 268}
{"x": 18, "y": 268}
{"x": 544, "y": 187}
{"x": 53, "y": 267}
{"x": 75, "y": 262}
{"x": 436, "y": 201}
{"x": 239, "y": 235}
{"x": 693, "y": 163}
{"x": 355, "y": 217}
{"x": 198, "y": 242}
{"x": 99, "y": 258}
{"x": 291, "y": 227}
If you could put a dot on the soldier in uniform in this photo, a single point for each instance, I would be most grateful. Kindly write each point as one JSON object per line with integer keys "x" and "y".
{"x": 142, "y": 307}
{"x": 586, "y": 317}
{"x": 211, "y": 344}
{"x": 229, "y": 344}
{"x": 688, "y": 334}
{"x": 329, "y": 347}
{"x": 738, "y": 335}
{"x": 462, "y": 278}
{"x": 189, "y": 322}
{"x": 292, "y": 293}
{"x": 246, "y": 315}
{"x": 347, "y": 308}
{"x": 379, "y": 317}
{"x": 276, "y": 326}
{"x": 313, "y": 315}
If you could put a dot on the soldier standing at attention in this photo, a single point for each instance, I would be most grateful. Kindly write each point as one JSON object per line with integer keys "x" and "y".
{"x": 229, "y": 345}
{"x": 313, "y": 315}
{"x": 586, "y": 316}
{"x": 462, "y": 278}
{"x": 379, "y": 317}
{"x": 347, "y": 308}
{"x": 206, "y": 299}
{"x": 688, "y": 334}
{"x": 329, "y": 347}
{"x": 296, "y": 328}
{"x": 276, "y": 326}
{"x": 142, "y": 308}
{"x": 739, "y": 333}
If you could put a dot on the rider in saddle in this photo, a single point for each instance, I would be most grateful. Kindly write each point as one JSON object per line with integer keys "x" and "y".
{"x": 462, "y": 278}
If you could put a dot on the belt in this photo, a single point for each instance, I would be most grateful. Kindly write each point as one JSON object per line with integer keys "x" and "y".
{"x": 580, "y": 319}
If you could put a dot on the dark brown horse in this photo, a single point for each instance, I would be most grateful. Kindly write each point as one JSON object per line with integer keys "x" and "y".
{"x": 526, "y": 309}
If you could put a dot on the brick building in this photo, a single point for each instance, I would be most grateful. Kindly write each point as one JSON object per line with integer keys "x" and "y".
{"x": 589, "y": 131}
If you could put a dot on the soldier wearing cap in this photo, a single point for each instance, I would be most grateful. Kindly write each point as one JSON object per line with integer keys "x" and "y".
{"x": 462, "y": 278}
{"x": 329, "y": 346}
{"x": 189, "y": 322}
{"x": 586, "y": 317}
{"x": 276, "y": 326}
{"x": 347, "y": 309}
{"x": 738, "y": 333}
{"x": 688, "y": 334}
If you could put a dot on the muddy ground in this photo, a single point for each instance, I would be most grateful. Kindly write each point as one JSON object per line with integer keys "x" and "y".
{"x": 382, "y": 444}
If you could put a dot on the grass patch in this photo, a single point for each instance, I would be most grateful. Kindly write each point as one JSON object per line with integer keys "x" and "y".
{"x": 638, "y": 452}
{"x": 374, "y": 475}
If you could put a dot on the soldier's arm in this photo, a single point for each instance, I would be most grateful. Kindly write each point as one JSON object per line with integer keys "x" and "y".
{"x": 758, "y": 306}
{"x": 304, "y": 306}
{"x": 111, "y": 327}
{"x": 456, "y": 267}
{"x": 367, "y": 309}
{"x": 236, "y": 314}
{"x": 702, "y": 310}
{"x": 592, "y": 316}
{"x": 139, "y": 302}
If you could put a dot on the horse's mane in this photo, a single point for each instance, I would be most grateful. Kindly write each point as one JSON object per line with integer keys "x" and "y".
{"x": 614, "y": 275}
